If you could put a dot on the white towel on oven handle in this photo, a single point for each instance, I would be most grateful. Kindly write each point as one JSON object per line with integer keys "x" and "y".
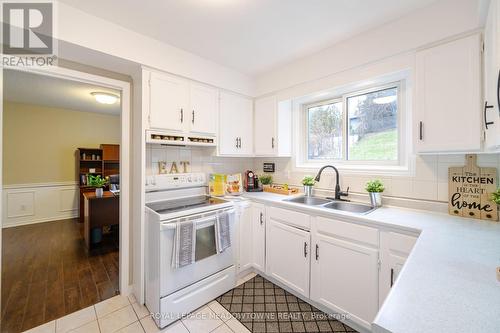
{"x": 184, "y": 250}
{"x": 223, "y": 230}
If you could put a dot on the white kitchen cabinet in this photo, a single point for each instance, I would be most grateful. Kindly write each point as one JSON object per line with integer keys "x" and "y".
{"x": 259, "y": 237}
{"x": 344, "y": 277}
{"x": 491, "y": 113}
{"x": 288, "y": 255}
{"x": 168, "y": 102}
{"x": 273, "y": 127}
{"x": 448, "y": 97}
{"x": 235, "y": 125}
{"x": 204, "y": 109}
{"x": 394, "y": 250}
{"x": 245, "y": 237}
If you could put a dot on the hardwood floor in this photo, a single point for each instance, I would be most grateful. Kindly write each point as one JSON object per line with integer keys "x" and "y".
{"x": 47, "y": 273}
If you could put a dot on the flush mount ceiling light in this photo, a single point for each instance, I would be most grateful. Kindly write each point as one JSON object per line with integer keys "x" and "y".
{"x": 385, "y": 100}
{"x": 105, "y": 98}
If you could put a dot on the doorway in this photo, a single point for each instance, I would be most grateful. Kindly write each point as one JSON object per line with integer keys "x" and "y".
{"x": 58, "y": 258}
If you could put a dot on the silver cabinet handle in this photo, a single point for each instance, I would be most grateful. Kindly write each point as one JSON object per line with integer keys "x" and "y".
{"x": 317, "y": 252}
{"x": 392, "y": 277}
{"x": 261, "y": 218}
{"x": 305, "y": 249}
{"x": 182, "y": 115}
{"x": 236, "y": 142}
{"x": 193, "y": 118}
{"x": 240, "y": 142}
{"x": 421, "y": 130}
{"x": 272, "y": 143}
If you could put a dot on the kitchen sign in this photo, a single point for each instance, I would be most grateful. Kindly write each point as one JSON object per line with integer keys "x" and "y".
{"x": 469, "y": 190}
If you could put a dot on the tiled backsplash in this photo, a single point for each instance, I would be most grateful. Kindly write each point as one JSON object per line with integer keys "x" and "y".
{"x": 429, "y": 183}
{"x": 200, "y": 160}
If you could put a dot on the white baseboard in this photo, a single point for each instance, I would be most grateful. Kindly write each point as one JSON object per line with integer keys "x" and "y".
{"x": 36, "y": 203}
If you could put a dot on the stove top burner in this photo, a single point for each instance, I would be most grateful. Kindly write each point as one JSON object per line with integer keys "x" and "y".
{"x": 170, "y": 206}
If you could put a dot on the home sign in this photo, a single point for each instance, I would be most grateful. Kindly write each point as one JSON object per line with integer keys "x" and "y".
{"x": 469, "y": 190}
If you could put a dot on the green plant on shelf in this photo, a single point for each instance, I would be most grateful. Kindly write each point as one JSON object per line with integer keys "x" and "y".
{"x": 374, "y": 186}
{"x": 495, "y": 196}
{"x": 308, "y": 181}
{"x": 266, "y": 179}
{"x": 98, "y": 181}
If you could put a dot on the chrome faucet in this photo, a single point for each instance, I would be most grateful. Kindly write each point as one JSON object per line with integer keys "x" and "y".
{"x": 338, "y": 192}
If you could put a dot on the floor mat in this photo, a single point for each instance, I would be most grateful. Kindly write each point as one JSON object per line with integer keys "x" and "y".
{"x": 264, "y": 307}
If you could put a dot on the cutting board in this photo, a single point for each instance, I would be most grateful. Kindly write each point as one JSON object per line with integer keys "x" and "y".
{"x": 469, "y": 190}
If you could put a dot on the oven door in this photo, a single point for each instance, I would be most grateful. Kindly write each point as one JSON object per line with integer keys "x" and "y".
{"x": 207, "y": 261}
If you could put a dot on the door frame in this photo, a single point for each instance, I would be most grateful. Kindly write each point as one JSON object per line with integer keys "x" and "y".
{"x": 124, "y": 88}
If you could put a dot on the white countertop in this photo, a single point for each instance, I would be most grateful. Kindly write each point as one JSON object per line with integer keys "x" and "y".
{"x": 448, "y": 283}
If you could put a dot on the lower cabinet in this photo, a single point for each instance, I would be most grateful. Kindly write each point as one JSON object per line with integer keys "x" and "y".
{"x": 288, "y": 255}
{"x": 394, "y": 250}
{"x": 344, "y": 277}
{"x": 244, "y": 239}
{"x": 259, "y": 236}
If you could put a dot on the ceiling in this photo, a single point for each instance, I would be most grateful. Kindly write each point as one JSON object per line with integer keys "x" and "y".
{"x": 28, "y": 88}
{"x": 251, "y": 36}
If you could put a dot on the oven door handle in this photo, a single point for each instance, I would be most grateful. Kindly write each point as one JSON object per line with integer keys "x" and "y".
{"x": 202, "y": 220}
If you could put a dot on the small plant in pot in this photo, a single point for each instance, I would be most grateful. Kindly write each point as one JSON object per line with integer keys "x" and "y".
{"x": 495, "y": 197}
{"x": 266, "y": 180}
{"x": 98, "y": 182}
{"x": 308, "y": 182}
{"x": 375, "y": 189}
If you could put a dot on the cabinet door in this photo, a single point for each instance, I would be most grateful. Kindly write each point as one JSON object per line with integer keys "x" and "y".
{"x": 245, "y": 240}
{"x": 235, "y": 125}
{"x": 448, "y": 97}
{"x": 491, "y": 77}
{"x": 344, "y": 277}
{"x": 204, "y": 109}
{"x": 288, "y": 255}
{"x": 168, "y": 100}
{"x": 259, "y": 236}
{"x": 265, "y": 126}
{"x": 394, "y": 250}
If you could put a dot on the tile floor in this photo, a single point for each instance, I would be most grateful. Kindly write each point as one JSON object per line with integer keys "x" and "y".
{"x": 124, "y": 315}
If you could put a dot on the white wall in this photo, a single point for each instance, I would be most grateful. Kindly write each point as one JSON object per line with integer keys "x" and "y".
{"x": 427, "y": 25}
{"x": 40, "y": 202}
{"x": 77, "y": 27}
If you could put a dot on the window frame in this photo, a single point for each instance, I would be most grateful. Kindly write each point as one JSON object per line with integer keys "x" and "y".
{"x": 401, "y": 164}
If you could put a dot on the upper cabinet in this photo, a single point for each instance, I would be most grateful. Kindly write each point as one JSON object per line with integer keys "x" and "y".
{"x": 448, "y": 97}
{"x": 168, "y": 102}
{"x": 204, "y": 102}
{"x": 273, "y": 127}
{"x": 176, "y": 104}
{"x": 492, "y": 78}
{"x": 235, "y": 125}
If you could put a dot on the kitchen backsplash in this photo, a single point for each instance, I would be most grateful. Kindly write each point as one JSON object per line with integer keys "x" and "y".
{"x": 429, "y": 183}
{"x": 200, "y": 160}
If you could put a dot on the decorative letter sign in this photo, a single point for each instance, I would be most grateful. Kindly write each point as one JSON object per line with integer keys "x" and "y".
{"x": 469, "y": 190}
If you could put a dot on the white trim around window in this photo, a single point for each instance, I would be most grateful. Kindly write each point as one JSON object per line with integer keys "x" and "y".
{"x": 403, "y": 166}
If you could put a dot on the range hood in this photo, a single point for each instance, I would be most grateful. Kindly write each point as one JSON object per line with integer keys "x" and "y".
{"x": 179, "y": 139}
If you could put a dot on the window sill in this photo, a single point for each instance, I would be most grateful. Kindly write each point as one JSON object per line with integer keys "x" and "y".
{"x": 382, "y": 170}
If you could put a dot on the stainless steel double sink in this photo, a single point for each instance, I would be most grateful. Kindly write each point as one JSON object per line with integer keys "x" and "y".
{"x": 346, "y": 206}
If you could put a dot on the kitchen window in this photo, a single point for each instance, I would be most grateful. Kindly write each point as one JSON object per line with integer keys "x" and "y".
{"x": 357, "y": 128}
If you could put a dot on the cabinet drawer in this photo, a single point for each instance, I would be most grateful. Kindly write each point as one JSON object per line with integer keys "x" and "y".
{"x": 359, "y": 233}
{"x": 290, "y": 217}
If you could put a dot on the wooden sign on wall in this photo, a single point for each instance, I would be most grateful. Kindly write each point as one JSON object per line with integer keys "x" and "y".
{"x": 469, "y": 190}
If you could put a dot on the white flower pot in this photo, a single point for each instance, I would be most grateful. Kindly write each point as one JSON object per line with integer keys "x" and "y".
{"x": 308, "y": 190}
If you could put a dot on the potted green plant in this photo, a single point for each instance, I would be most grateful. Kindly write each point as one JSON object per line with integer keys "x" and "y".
{"x": 98, "y": 182}
{"x": 266, "y": 180}
{"x": 495, "y": 196}
{"x": 308, "y": 182}
{"x": 375, "y": 189}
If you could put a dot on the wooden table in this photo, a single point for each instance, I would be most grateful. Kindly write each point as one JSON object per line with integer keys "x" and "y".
{"x": 99, "y": 212}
